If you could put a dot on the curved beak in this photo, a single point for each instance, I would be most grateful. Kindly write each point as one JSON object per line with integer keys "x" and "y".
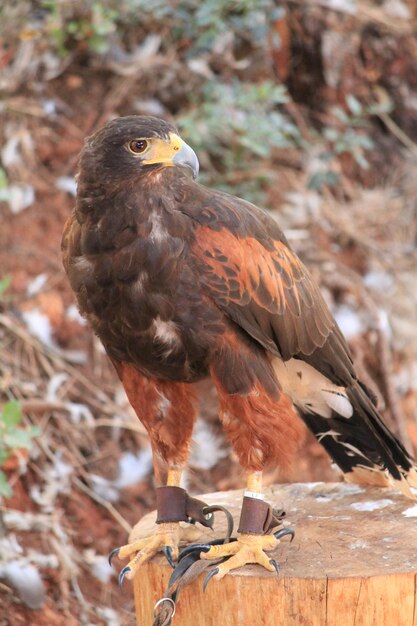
{"x": 186, "y": 157}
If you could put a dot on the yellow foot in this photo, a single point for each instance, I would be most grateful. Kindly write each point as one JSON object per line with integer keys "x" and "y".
{"x": 167, "y": 539}
{"x": 247, "y": 549}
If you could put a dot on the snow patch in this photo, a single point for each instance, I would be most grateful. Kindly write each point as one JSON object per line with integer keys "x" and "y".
{"x": 39, "y": 326}
{"x": 99, "y": 565}
{"x": 323, "y": 498}
{"x": 36, "y": 284}
{"x": 410, "y": 512}
{"x": 104, "y": 488}
{"x": 207, "y": 447}
{"x": 349, "y": 321}
{"x": 57, "y": 482}
{"x": 359, "y": 543}
{"x": 49, "y": 561}
{"x": 379, "y": 281}
{"x": 78, "y": 412}
{"x": 371, "y": 505}
{"x": 349, "y": 490}
{"x": 312, "y": 485}
{"x": 55, "y": 382}
{"x": 49, "y": 106}
{"x": 151, "y": 106}
{"x": 24, "y": 521}
{"x": 67, "y": 184}
{"x": 133, "y": 468}
{"x": 384, "y": 323}
{"x": 27, "y": 582}
{"x": 18, "y": 197}
{"x": 397, "y": 9}
{"x": 73, "y": 314}
{"x": 346, "y": 6}
{"x": 110, "y": 616}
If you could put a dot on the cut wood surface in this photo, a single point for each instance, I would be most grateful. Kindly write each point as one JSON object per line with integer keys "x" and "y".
{"x": 353, "y": 562}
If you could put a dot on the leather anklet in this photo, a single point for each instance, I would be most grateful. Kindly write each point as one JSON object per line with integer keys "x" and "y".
{"x": 175, "y": 505}
{"x": 257, "y": 517}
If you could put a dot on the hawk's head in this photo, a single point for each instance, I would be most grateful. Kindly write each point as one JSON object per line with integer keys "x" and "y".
{"x": 132, "y": 145}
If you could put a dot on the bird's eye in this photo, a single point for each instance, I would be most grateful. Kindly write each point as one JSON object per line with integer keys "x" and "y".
{"x": 137, "y": 146}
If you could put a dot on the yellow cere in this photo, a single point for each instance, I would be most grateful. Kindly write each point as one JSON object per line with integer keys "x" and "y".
{"x": 163, "y": 151}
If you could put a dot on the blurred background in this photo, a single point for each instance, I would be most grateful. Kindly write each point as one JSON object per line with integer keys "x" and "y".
{"x": 307, "y": 108}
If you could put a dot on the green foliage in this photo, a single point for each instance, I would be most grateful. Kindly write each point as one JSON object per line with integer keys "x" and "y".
{"x": 349, "y": 138}
{"x": 4, "y": 285}
{"x": 348, "y": 135}
{"x": 90, "y": 22}
{"x": 236, "y": 127}
{"x": 3, "y": 179}
{"x": 323, "y": 178}
{"x": 12, "y": 438}
{"x": 198, "y": 24}
{"x": 5, "y": 299}
{"x": 204, "y": 23}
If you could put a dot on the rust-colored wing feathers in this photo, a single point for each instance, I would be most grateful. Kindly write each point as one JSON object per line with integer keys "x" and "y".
{"x": 255, "y": 278}
{"x": 265, "y": 288}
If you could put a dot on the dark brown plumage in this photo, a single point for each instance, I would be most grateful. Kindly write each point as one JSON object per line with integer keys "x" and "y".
{"x": 181, "y": 282}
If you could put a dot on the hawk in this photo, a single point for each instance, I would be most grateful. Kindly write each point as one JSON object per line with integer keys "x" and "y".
{"x": 180, "y": 283}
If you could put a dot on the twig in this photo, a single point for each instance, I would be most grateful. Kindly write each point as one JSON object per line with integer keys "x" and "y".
{"x": 42, "y": 406}
{"x": 294, "y": 111}
{"x": 117, "y": 423}
{"x": 343, "y": 225}
{"x": 107, "y": 505}
{"x": 398, "y": 132}
{"x": 108, "y": 406}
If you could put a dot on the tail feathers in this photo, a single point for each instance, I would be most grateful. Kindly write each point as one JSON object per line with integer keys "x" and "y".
{"x": 362, "y": 446}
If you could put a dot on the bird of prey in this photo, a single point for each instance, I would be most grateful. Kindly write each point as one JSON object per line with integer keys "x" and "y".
{"x": 180, "y": 283}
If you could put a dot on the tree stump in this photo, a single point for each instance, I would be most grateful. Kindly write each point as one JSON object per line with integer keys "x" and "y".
{"x": 353, "y": 562}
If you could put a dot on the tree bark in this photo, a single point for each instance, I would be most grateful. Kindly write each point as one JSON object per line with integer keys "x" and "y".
{"x": 353, "y": 562}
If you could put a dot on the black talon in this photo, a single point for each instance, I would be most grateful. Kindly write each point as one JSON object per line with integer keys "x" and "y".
{"x": 209, "y": 576}
{"x": 122, "y": 574}
{"x": 201, "y": 547}
{"x": 283, "y": 532}
{"x": 167, "y": 550}
{"x": 182, "y": 567}
{"x": 112, "y": 554}
{"x": 275, "y": 564}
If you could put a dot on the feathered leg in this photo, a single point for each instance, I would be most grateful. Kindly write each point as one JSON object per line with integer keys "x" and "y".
{"x": 167, "y": 410}
{"x": 262, "y": 429}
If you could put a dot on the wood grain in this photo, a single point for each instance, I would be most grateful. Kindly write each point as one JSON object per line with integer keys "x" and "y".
{"x": 353, "y": 562}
